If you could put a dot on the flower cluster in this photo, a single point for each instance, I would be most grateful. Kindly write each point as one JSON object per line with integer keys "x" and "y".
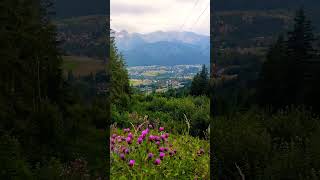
{"x": 153, "y": 143}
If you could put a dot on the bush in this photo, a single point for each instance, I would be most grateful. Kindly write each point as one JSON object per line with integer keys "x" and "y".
{"x": 280, "y": 146}
{"x": 171, "y": 112}
{"x": 12, "y": 165}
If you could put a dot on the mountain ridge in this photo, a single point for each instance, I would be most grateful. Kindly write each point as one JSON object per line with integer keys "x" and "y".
{"x": 163, "y": 48}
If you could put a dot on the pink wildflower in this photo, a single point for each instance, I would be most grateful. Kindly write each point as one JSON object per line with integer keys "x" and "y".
{"x": 161, "y": 149}
{"x": 122, "y": 156}
{"x": 157, "y": 161}
{"x": 162, "y": 155}
{"x": 131, "y": 163}
{"x": 150, "y": 156}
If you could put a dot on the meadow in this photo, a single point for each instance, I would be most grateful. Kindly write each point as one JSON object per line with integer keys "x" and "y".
{"x": 147, "y": 151}
{"x": 159, "y": 137}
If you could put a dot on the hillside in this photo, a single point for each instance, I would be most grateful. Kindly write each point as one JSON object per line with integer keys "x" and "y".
{"x": 81, "y": 66}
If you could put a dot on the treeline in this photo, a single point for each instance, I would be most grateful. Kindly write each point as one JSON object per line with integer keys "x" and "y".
{"x": 47, "y": 131}
{"x": 291, "y": 73}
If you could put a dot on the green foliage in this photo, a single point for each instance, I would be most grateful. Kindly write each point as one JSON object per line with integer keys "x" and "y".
{"x": 200, "y": 82}
{"x": 12, "y": 165}
{"x": 43, "y": 119}
{"x": 290, "y": 74}
{"x": 279, "y": 146}
{"x": 116, "y": 69}
{"x": 169, "y": 111}
{"x": 51, "y": 170}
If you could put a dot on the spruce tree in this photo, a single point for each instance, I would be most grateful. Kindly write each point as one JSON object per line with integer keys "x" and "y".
{"x": 274, "y": 75}
{"x": 200, "y": 83}
{"x": 119, "y": 88}
{"x": 300, "y": 53}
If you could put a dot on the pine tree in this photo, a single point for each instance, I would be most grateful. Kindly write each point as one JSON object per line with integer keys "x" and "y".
{"x": 274, "y": 75}
{"x": 290, "y": 73}
{"x": 200, "y": 83}
{"x": 119, "y": 80}
{"x": 300, "y": 52}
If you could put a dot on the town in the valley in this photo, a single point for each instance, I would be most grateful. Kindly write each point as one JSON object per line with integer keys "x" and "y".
{"x": 148, "y": 79}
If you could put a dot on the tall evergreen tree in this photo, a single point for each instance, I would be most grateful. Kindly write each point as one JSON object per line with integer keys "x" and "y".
{"x": 289, "y": 75}
{"x": 200, "y": 83}
{"x": 274, "y": 75}
{"x": 119, "y": 80}
{"x": 300, "y": 51}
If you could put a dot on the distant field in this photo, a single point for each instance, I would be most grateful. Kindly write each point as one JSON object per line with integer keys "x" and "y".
{"x": 154, "y": 73}
{"x": 81, "y": 66}
{"x": 137, "y": 82}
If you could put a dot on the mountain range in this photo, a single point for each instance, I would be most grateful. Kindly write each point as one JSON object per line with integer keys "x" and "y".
{"x": 163, "y": 48}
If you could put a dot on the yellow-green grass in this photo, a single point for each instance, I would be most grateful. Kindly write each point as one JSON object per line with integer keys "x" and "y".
{"x": 154, "y": 73}
{"x": 81, "y": 66}
{"x": 137, "y": 82}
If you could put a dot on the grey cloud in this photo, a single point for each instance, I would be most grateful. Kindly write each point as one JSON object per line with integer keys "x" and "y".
{"x": 117, "y": 9}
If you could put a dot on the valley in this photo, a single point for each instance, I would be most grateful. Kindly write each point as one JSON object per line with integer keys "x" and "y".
{"x": 148, "y": 79}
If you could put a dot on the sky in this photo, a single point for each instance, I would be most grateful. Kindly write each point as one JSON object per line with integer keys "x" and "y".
{"x": 144, "y": 16}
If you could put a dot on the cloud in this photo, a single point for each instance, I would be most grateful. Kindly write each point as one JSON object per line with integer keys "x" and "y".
{"x": 118, "y": 9}
{"x": 145, "y": 16}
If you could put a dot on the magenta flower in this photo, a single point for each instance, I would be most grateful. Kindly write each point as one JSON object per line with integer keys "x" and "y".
{"x": 122, "y": 156}
{"x": 157, "y": 138}
{"x": 175, "y": 151}
{"x": 166, "y": 135}
{"x": 157, "y": 161}
{"x": 123, "y": 148}
{"x": 161, "y": 129}
{"x": 163, "y": 137}
{"x": 142, "y": 136}
{"x": 146, "y": 131}
{"x": 127, "y": 151}
{"x": 131, "y": 163}
{"x": 150, "y": 126}
{"x": 158, "y": 143}
{"x": 150, "y": 156}
{"x": 151, "y": 138}
{"x": 162, "y": 155}
{"x": 114, "y": 135}
{"x": 140, "y": 140}
{"x": 130, "y": 135}
{"x": 129, "y": 140}
{"x": 166, "y": 149}
{"x": 161, "y": 149}
{"x": 126, "y": 130}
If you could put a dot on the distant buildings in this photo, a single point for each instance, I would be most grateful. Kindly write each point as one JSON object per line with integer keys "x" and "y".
{"x": 155, "y": 78}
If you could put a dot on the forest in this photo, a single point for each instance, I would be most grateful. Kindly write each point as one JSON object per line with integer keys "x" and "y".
{"x": 265, "y": 118}
{"x": 256, "y": 119}
{"x": 49, "y": 127}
